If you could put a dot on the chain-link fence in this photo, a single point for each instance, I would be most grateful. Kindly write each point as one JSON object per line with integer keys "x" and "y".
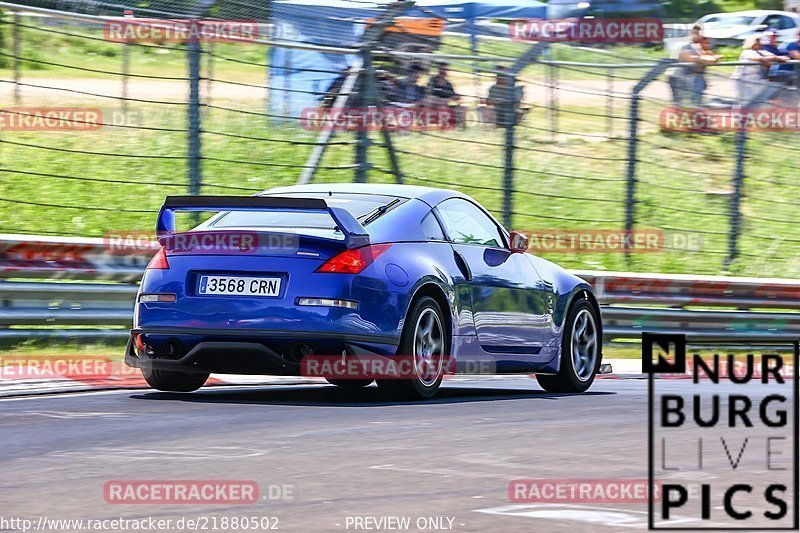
{"x": 579, "y": 146}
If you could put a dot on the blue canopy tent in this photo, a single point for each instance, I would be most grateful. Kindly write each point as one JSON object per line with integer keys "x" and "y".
{"x": 471, "y": 12}
{"x": 299, "y": 77}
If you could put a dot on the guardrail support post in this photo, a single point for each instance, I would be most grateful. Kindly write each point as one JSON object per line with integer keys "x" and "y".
{"x": 193, "y": 53}
{"x": 633, "y": 141}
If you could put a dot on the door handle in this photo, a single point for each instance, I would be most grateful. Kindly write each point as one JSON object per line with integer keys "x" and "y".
{"x": 462, "y": 265}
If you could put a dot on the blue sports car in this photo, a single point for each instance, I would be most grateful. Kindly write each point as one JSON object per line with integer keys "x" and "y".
{"x": 278, "y": 282}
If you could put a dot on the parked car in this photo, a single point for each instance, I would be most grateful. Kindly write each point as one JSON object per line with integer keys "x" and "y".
{"x": 733, "y": 28}
{"x": 371, "y": 271}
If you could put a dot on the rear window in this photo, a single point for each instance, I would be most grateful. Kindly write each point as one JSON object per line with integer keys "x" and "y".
{"x": 359, "y": 205}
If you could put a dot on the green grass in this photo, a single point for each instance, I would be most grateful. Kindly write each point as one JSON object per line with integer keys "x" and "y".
{"x": 571, "y": 184}
{"x": 575, "y": 180}
{"x": 39, "y": 349}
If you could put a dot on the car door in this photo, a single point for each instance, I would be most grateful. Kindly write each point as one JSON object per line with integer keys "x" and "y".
{"x": 509, "y": 299}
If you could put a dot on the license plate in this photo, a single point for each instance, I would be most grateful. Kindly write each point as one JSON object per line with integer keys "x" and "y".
{"x": 239, "y": 286}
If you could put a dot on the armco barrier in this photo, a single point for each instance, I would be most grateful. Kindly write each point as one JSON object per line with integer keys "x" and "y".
{"x": 97, "y": 299}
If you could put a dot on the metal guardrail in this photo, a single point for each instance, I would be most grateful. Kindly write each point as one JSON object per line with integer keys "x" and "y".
{"x": 101, "y": 305}
{"x": 703, "y": 306}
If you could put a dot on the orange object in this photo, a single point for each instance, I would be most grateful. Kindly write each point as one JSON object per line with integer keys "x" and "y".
{"x": 433, "y": 27}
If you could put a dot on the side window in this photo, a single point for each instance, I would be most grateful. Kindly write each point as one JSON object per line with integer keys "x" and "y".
{"x": 467, "y": 224}
{"x": 786, "y": 22}
{"x": 431, "y": 228}
{"x": 773, "y": 22}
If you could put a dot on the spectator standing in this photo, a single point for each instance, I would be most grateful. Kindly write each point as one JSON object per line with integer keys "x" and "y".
{"x": 679, "y": 77}
{"x": 441, "y": 93}
{"x": 775, "y": 72}
{"x": 750, "y": 78}
{"x": 792, "y": 51}
{"x": 500, "y": 95}
{"x": 705, "y": 56}
{"x": 792, "y": 72}
{"x": 688, "y": 81}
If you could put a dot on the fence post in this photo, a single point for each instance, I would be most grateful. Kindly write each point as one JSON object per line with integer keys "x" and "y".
{"x": 738, "y": 177}
{"x": 508, "y": 108}
{"x": 374, "y": 97}
{"x": 126, "y": 67}
{"x": 736, "y": 198}
{"x": 554, "y": 103}
{"x": 610, "y": 103}
{"x": 366, "y": 98}
{"x": 551, "y": 89}
{"x": 17, "y": 49}
{"x": 630, "y": 187}
{"x": 633, "y": 141}
{"x": 210, "y": 71}
{"x": 193, "y": 54}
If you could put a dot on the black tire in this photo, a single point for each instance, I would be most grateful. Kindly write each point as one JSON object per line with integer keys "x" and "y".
{"x": 568, "y": 378}
{"x": 421, "y": 387}
{"x": 171, "y": 381}
{"x": 350, "y": 383}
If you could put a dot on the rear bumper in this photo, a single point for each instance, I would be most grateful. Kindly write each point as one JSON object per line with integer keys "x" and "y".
{"x": 243, "y": 352}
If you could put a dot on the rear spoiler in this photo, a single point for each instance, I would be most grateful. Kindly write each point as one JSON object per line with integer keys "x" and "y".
{"x": 354, "y": 233}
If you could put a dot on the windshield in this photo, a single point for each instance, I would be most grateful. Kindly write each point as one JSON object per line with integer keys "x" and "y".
{"x": 358, "y": 205}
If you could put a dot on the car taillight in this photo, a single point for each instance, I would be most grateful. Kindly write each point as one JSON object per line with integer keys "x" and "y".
{"x": 159, "y": 261}
{"x": 355, "y": 260}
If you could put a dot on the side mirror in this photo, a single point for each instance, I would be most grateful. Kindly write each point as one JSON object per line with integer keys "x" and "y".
{"x": 519, "y": 242}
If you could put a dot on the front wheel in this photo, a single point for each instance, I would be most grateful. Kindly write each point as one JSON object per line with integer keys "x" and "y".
{"x": 171, "y": 381}
{"x": 424, "y": 346}
{"x": 580, "y": 351}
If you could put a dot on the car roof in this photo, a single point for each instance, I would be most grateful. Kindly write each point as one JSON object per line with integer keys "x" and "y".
{"x": 753, "y": 13}
{"x": 429, "y": 195}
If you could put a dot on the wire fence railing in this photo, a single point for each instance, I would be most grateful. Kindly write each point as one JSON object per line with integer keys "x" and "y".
{"x": 579, "y": 157}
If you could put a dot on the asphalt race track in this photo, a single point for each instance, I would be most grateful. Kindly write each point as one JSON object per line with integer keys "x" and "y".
{"x": 343, "y": 453}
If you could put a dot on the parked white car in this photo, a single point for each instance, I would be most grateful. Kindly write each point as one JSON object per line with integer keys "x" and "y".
{"x": 734, "y": 28}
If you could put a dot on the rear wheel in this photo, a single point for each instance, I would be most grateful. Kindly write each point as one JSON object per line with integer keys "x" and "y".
{"x": 171, "y": 381}
{"x": 580, "y": 351}
{"x": 424, "y": 344}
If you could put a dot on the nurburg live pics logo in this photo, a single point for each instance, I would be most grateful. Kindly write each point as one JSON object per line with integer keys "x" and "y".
{"x": 722, "y": 441}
